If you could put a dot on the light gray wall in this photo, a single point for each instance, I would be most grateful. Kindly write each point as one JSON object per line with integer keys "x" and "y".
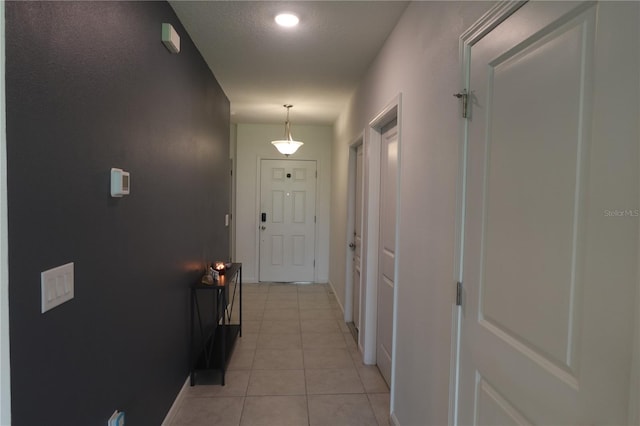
{"x": 253, "y": 142}
{"x": 420, "y": 60}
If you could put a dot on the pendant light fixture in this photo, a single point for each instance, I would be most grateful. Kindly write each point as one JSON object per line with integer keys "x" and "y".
{"x": 287, "y": 146}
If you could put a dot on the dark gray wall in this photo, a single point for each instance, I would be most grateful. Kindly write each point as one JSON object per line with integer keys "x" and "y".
{"x": 89, "y": 87}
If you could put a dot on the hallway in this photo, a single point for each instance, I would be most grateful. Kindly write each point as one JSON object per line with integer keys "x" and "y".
{"x": 296, "y": 364}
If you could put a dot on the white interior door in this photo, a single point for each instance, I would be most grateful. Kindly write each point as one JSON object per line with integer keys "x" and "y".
{"x": 357, "y": 239}
{"x": 287, "y": 220}
{"x": 551, "y": 222}
{"x": 387, "y": 247}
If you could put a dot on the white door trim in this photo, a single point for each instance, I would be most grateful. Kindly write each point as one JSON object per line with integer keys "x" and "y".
{"x": 256, "y": 272}
{"x": 371, "y": 232}
{"x": 233, "y": 153}
{"x": 634, "y": 392}
{"x": 487, "y": 22}
{"x": 351, "y": 207}
{"x": 5, "y": 366}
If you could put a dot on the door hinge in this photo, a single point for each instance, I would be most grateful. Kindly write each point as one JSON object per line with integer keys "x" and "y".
{"x": 316, "y": 174}
{"x": 315, "y": 219}
{"x": 465, "y": 101}
{"x": 459, "y": 294}
{"x": 314, "y": 263}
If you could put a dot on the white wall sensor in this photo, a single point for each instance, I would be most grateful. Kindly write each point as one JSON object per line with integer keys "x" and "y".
{"x": 170, "y": 38}
{"x": 120, "y": 182}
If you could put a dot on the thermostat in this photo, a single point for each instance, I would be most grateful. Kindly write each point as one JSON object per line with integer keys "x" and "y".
{"x": 120, "y": 182}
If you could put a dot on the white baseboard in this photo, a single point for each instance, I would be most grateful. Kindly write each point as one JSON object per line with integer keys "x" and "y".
{"x": 336, "y": 296}
{"x": 394, "y": 419}
{"x": 176, "y": 404}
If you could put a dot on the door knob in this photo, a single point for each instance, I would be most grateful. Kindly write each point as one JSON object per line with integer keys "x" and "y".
{"x": 352, "y": 246}
{"x": 263, "y": 227}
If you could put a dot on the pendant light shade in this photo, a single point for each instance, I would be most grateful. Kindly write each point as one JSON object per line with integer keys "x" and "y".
{"x": 287, "y": 146}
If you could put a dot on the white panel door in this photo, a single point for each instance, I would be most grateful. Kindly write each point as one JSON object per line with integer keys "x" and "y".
{"x": 550, "y": 268}
{"x": 387, "y": 247}
{"x": 357, "y": 239}
{"x": 287, "y": 220}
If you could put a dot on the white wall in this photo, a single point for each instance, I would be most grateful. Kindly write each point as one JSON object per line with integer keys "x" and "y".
{"x": 5, "y": 388}
{"x": 253, "y": 142}
{"x": 420, "y": 60}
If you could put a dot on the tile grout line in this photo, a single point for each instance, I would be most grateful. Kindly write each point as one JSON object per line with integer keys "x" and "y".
{"x": 304, "y": 369}
{"x": 246, "y": 391}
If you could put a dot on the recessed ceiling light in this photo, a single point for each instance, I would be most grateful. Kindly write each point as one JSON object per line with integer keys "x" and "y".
{"x": 287, "y": 20}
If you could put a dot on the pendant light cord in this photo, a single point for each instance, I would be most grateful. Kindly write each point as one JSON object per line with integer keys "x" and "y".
{"x": 287, "y": 125}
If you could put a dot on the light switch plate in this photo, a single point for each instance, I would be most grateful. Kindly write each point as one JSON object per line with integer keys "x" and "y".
{"x": 57, "y": 286}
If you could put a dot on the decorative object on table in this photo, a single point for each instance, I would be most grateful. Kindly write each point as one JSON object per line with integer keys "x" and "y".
{"x": 219, "y": 267}
{"x": 207, "y": 278}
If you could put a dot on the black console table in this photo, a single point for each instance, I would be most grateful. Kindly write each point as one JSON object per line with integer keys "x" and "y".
{"x": 216, "y": 322}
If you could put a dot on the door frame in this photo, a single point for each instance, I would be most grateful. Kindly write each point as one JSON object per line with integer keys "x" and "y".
{"x": 257, "y": 212}
{"x": 634, "y": 393}
{"x": 233, "y": 154}
{"x": 487, "y": 22}
{"x": 5, "y": 365}
{"x": 351, "y": 207}
{"x": 372, "y": 144}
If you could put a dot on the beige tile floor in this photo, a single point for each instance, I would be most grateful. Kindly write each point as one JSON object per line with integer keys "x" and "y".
{"x": 295, "y": 364}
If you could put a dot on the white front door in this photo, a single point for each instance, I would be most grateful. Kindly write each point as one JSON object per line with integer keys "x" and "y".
{"x": 357, "y": 239}
{"x": 387, "y": 247}
{"x": 551, "y": 221}
{"x": 287, "y": 220}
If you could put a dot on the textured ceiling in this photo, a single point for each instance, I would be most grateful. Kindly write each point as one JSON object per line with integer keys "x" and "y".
{"x": 314, "y": 66}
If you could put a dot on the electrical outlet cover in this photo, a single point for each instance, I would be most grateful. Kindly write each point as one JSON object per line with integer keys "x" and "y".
{"x": 116, "y": 419}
